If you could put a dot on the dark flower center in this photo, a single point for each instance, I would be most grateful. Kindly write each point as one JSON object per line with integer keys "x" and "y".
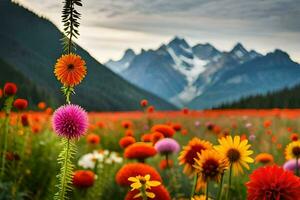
{"x": 210, "y": 168}
{"x": 70, "y": 66}
{"x": 233, "y": 155}
{"x": 191, "y": 154}
{"x": 296, "y": 151}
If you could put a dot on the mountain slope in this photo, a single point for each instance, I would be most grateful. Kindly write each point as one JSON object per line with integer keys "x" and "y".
{"x": 260, "y": 75}
{"x": 32, "y": 44}
{"x": 285, "y": 98}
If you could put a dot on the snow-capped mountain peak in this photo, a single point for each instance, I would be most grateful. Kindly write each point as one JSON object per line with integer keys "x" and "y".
{"x": 122, "y": 64}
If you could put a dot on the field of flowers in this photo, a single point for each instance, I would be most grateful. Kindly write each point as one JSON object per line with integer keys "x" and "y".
{"x": 214, "y": 154}
{"x": 67, "y": 153}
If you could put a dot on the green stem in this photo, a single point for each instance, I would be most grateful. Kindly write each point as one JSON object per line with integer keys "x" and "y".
{"x": 206, "y": 194}
{"x": 229, "y": 183}
{"x": 6, "y": 129}
{"x": 143, "y": 191}
{"x": 220, "y": 187}
{"x": 297, "y": 166}
{"x": 194, "y": 185}
{"x": 167, "y": 160}
{"x": 62, "y": 192}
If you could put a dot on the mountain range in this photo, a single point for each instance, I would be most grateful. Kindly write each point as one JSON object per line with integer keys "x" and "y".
{"x": 201, "y": 76}
{"x": 30, "y": 46}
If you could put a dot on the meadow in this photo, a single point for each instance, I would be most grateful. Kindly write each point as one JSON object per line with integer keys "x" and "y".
{"x": 33, "y": 148}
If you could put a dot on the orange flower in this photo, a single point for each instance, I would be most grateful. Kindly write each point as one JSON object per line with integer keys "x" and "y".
{"x": 41, "y": 105}
{"x": 150, "y": 109}
{"x": 177, "y": 127}
{"x": 93, "y": 139}
{"x": 184, "y": 132}
{"x": 156, "y": 136}
{"x": 267, "y": 123}
{"x": 49, "y": 111}
{"x": 129, "y": 132}
{"x": 146, "y": 137}
{"x": 127, "y": 124}
{"x": 243, "y": 137}
{"x": 83, "y": 178}
{"x": 294, "y": 136}
{"x": 166, "y": 130}
{"x": 139, "y": 151}
{"x": 70, "y": 69}
{"x": 264, "y": 158}
{"x": 185, "y": 111}
{"x": 126, "y": 141}
{"x": 189, "y": 154}
{"x": 133, "y": 170}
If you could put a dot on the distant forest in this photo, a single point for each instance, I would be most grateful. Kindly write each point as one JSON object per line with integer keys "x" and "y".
{"x": 285, "y": 98}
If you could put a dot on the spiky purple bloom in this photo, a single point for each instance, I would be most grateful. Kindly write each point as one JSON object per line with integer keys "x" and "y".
{"x": 167, "y": 145}
{"x": 70, "y": 121}
{"x": 291, "y": 165}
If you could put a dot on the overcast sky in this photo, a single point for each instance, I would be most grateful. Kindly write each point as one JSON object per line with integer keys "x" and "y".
{"x": 109, "y": 27}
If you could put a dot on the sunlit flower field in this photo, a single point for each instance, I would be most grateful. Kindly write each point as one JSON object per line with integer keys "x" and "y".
{"x": 148, "y": 154}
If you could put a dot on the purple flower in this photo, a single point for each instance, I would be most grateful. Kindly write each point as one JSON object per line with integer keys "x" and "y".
{"x": 291, "y": 165}
{"x": 252, "y": 137}
{"x": 70, "y": 121}
{"x": 167, "y": 145}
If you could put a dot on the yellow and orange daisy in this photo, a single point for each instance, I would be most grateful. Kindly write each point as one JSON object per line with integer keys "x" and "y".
{"x": 210, "y": 165}
{"x": 236, "y": 151}
{"x": 189, "y": 154}
{"x": 70, "y": 69}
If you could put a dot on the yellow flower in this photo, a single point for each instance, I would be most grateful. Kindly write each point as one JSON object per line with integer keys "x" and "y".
{"x": 292, "y": 150}
{"x": 210, "y": 165}
{"x": 142, "y": 183}
{"x": 236, "y": 151}
{"x": 199, "y": 197}
{"x": 189, "y": 153}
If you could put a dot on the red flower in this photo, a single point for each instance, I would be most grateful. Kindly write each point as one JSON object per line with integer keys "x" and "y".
{"x": 127, "y": 124}
{"x": 10, "y": 89}
{"x": 272, "y": 183}
{"x": 144, "y": 103}
{"x": 83, "y": 178}
{"x": 161, "y": 193}
{"x": 42, "y": 105}
{"x": 1, "y": 93}
{"x": 176, "y": 127}
{"x": 294, "y": 136}
{"x": 140, "y": 151}
{"x": 126, "y": 141}
{"x": 21, "y": 104}
{"x": 93, "y": 138}
{"x": 166, "y": 130}
{"x": 150, "y": 109}
{"x": 185, "y": 111}
{"x": 184, "y": 132}
{"x": 25, "y": 120}
{"x": 133, "y": 170}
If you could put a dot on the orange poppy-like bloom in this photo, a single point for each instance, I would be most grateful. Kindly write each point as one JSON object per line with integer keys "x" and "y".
{"x": 267, "y": 123}
{"x": 70, "y": 69}
{"x": 41, "y": 105}
{"x": 150, "y": 109}
{"x": 93, "y": 139}
{"x": 166, "y": 130}
{"x": 294, "y": 136}
{"x": 126, "y": 141}
{"x": 126, "y": 124}
{"x": 177, "y": 127}
{"x": 147, "y": 137}
{"x": 139, "y": 151}
{"x": 136, "y": 169}
{"x": 144, "y": 103}
{"x": 264, "y": 158}
{"x": 129, "y": 132}
{"x": 189, "y": 154}
{"x": 1, "y": 93}
{"x": 83, "y": 178}
{"x": 160, "y": 192}
{"x": 156, "y": 136}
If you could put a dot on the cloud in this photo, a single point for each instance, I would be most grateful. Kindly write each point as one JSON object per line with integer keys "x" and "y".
{"x": 260, "y": 24}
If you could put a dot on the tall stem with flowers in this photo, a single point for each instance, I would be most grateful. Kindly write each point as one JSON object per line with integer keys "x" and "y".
{"x": 69, "y": 121}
